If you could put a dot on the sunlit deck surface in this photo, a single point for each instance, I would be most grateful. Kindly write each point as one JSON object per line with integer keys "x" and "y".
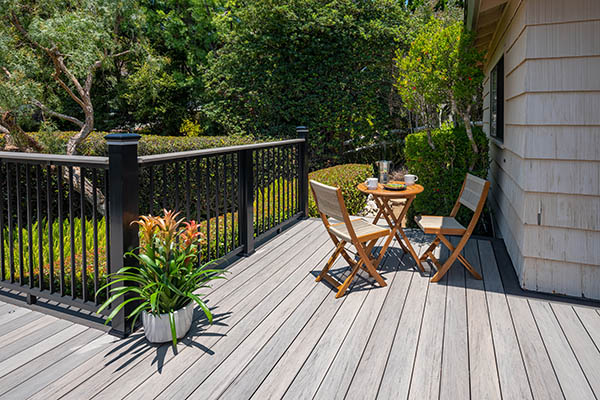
{"x": 277, "y": 333}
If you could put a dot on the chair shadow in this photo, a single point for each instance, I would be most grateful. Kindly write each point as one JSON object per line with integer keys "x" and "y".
{"x": 395, "y": 260}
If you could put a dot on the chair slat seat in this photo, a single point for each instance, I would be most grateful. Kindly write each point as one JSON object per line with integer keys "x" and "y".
{"x": 432, "y": 224}
{"x": 364, "y": 230}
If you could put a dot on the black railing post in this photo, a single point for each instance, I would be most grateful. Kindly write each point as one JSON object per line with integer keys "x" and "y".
{"x": 123, "y": 207}
{"x": 303, "y": 170}
{"x": 246, "y": 193}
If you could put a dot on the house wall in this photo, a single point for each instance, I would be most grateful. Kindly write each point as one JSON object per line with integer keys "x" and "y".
{"x": 549, "y": 162}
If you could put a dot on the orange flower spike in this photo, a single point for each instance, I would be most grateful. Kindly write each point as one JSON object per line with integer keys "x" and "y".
{"x": 147, "y": 225}
{"x": 190, "y": 232}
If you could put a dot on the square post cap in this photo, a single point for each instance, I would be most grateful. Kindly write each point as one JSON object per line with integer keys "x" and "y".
{"x": 122, "y": 138}
{"x": 302, "y": 131}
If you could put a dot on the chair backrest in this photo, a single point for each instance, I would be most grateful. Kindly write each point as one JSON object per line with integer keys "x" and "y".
{"x": 474, "y": 192}
{"x": 328, "y": 201}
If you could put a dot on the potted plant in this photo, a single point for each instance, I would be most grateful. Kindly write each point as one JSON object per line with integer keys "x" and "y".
{"x": 165, "y": 282}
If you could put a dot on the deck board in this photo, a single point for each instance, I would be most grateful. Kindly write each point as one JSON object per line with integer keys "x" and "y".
{"x": 482, "y": 356}
{"x": 569, "y": 372}
{"x": 514, "y": 382}
{"x": 278, "y": 333}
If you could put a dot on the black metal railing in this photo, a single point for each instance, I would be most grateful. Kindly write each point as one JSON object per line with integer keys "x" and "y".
{"x": 54, "y": 236}
{"x": 66, "y": 221}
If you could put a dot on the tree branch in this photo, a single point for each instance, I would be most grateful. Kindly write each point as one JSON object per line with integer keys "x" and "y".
{"x": 17, "y": 24}
{"x": 57, "y": 114}
{"x": 59, "y": 60}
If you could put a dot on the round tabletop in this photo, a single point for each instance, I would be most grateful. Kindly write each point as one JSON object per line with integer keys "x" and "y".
{"x": 411, "y": 190}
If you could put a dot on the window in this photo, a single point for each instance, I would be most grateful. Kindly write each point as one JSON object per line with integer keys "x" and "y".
{"x": 497, "y": 101}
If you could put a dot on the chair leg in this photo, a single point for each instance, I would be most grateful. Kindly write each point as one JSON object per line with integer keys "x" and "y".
{"x": 469, "y": 267}
{"x": 455, "y": 255}
{"x": 344, "y": 286}
{"x": 334, "y": 256}
{"x": 442, "y": 271}
{"x": 460, "y": 257}
{"x": 369, "y": 264}
{"x": 431, "y": 247}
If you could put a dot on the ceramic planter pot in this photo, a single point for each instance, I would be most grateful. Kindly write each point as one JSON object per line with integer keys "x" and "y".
{"x": 157, "y": 328}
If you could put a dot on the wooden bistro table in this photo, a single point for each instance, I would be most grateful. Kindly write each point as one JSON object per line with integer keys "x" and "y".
{"x": 382, "y": 198}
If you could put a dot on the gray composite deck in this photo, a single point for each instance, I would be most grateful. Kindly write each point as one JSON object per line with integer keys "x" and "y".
{"x": 279, "y": 334}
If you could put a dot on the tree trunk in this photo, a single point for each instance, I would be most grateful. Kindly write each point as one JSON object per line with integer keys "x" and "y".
{"x": 16, "y": 138}
{"x": 467, "y": 121}
{"x": 428, "y": 128}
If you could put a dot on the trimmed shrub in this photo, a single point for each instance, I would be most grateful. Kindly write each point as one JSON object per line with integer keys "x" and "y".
{"x": 442, "y": 171}
{"x": 95, "y": 144}
{"x": 347, "y": 177}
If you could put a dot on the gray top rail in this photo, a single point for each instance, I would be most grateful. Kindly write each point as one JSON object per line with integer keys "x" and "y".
{"x": 59, "y": 159}
{"x": 181, "y": 155}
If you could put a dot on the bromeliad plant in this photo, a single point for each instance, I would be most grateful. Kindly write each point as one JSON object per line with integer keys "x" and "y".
{"x": 168, "y": 274}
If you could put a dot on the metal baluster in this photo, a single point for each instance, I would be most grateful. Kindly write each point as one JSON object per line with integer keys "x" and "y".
{"x": 279, "y": 184}
{"x": 288, "y": 168}
{"x": 9, "y": 215}
{"x": 29, "y": 231}
{"x": 151, "y": 194}
{"x": 61, "y": 239}
{"x": 207, "y": 193}
{"x": 233, "y": 200}
{"x": 50, "y": 225}
{"x": 95, "y": 226}
{"x": 19, "y": 221}
{"x": 262, "y": 187}
{"x": 198, "y": 204}
{"x": 188, "y": 186}
{"x": 2, "y": 260}
{"x": 164, "y": 186}
{"x": 72, "y": 231}
{"x": 176, "y": 166}
{"x": 294, "y": 177}
{"x": 107, "y": 224}
{"x": 38, "y": 192}
{"x": 225, "y": 208}
{"x": 269, "y": 189}
{"x": 217, "y": 211}
{"x": 83, "y": 235}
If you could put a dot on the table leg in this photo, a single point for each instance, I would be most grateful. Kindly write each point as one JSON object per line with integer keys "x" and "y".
{"x": 396, "y": 225}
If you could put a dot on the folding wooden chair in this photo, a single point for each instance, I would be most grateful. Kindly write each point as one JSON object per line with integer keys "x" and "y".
{"x": 358, "y": 232}
{"x": 472, "y": 195}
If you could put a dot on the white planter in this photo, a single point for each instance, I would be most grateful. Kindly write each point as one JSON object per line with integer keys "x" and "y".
{"x": 157, "y": 328}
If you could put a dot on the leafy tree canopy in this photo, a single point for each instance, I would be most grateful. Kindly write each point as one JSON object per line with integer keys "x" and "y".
{"x": 327, "y": 65}
{"x": 441, "y": 69}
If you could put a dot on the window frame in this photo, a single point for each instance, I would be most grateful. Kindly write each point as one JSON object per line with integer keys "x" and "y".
{"x": 497, "y": 101}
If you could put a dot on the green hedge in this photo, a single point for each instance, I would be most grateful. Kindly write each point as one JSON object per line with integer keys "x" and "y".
{"x": 347, "y": 177}
{"x": 95, "y": 144}
{"x": 442, "y": 171}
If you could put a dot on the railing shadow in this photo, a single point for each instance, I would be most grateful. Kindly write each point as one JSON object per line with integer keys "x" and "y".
{"x": 134, "y": 347}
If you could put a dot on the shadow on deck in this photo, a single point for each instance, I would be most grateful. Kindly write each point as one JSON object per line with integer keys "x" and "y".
{"x": 277, "y": 333}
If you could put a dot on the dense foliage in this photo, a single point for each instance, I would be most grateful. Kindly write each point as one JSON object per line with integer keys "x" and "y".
{"x": 54, "y": 142}
{"x": 346, "y": 177}
{"x": 327, "y": 65}
{"x": 443, "y": 170}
